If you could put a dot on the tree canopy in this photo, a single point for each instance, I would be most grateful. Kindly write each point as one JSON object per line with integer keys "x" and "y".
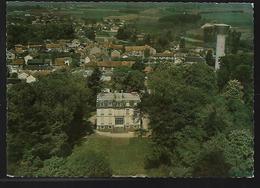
{"x": 187, "y": 113}
{"x": 46, "y": 118}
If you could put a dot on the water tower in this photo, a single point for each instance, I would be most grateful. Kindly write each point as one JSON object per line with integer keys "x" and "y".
{"x": 221, "y": 31}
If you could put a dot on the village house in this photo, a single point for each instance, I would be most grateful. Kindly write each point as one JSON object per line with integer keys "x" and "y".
{"x": 115, "y": 47}
{"x": 85, "y": 60}
{"x": 139, "y": 50}
{"x": 74, "y": 43}
{"x": 22, "y": 76}
{"x": 194, "y": 59}
{"x": 16, "y": 65}
{"x": 62, "y": 61}
{"x": 140, "y": 37}
{"x": 19, "y": 48}
{"x": 34, "y": 47}
{"x": 54, "y": 47}
{"x": 166, "y": 56}
{"x": 110, "y": 65}
{"x": 104, "y": 39}
{"x": 10, "y": 54}
{"x": 38, "y": 65}
{"x": 30, "y": 79}
{"x": 148, "y": 69}
{"x": 106, "y": 78}
{"x": 115, "y": 54}
{"x": 27, "y": 57}
{"x": 179, "y": 57}
{"x": 95, "y": 50}
{"x": 87, "y": 73}
{"x": 116, "y": 112}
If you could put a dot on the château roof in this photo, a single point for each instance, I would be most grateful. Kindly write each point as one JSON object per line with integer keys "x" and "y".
{"x": 118, "y": 96}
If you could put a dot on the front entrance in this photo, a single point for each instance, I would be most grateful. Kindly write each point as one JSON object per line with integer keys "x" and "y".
{"x": 119, "y": 130}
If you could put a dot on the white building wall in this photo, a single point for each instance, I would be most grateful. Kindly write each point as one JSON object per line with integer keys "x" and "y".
{"x": 106, "y": 116}
{"x": 220, "y": 49}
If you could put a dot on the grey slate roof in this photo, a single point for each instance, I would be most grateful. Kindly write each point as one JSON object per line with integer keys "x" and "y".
{"x": 118, "y": 96}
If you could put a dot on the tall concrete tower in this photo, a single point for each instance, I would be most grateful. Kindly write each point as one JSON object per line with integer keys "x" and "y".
{"x": 221, "y": 30}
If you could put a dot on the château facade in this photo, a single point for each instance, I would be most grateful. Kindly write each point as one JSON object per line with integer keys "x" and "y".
{"x": 117, "y": 112}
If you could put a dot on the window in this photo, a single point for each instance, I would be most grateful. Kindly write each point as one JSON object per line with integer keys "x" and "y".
{"x": 102, "y": 127}
{"x": 119, "y": 120}
{"x": 127, "y": 111}
{"x": 110, "y": 127}
{"x": 101, "y": 112}
{"x": 127, "y": 126}
{"x": 110, "y": 111}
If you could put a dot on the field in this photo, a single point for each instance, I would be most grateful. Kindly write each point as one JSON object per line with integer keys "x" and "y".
{"x": 146, "y": 15}
{"x": 235, "y": 19}
{"x": 126, "y": 155}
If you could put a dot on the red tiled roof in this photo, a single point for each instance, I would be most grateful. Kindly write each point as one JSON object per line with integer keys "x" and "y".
{"x": 111, "y": 63}
{"x": 53, "y": 45}
{"x": 164, "y": 55}
{"x": 18, "y": 62}
{"x": 116, "y": 46}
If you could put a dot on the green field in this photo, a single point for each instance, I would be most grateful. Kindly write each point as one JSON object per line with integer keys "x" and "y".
{"x": 126, "y": 155}
{"x": 234, "y": 19}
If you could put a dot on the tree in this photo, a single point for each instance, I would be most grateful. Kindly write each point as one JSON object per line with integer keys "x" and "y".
{"x": 237, "y": 67}
{"x": 88, "y": 163}
{"x": 239, "y": 153}
{"x": 63, "y": 99}
{"x": 233, "y": 41}
{"x": 147, "y": 39}
{"x": 127, "y": 79}
{"x": 94, "y": 81}
{"x": 182, "y": 43}
{"x": 138, "y": 65}
{"x": 14, "y": 75}
{"x": 209, "y": 58}
{"x": 209, "y": 34}
{"x": 90, "y": 34}
{"x": 178, "y": 92}
{"x": 127, "y": 32}
{"x": 53, "y": 167}
{"x": 141, "y": 132}
{"x": 146, "y": 53}
{"x": 179, "y": 19}
{"x": 212, "y": 164}
{"x": 237, "y": 149}
{"x": 233, "y": 90}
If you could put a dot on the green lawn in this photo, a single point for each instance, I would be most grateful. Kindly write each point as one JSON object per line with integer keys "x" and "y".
{"x": 126, "y": 155}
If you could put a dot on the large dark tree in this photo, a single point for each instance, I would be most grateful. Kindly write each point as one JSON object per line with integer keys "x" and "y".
{"x": 233, "y": 41}
{"x": 90, "y": 34}
{"x": 94, "y": 81}
{"x": 127, "y": 79}
{"x": 212, "y": 164}
{"x": 46, "y": 118}
{"x": 239, "y": 67}
{"x": 209, "y": 58}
